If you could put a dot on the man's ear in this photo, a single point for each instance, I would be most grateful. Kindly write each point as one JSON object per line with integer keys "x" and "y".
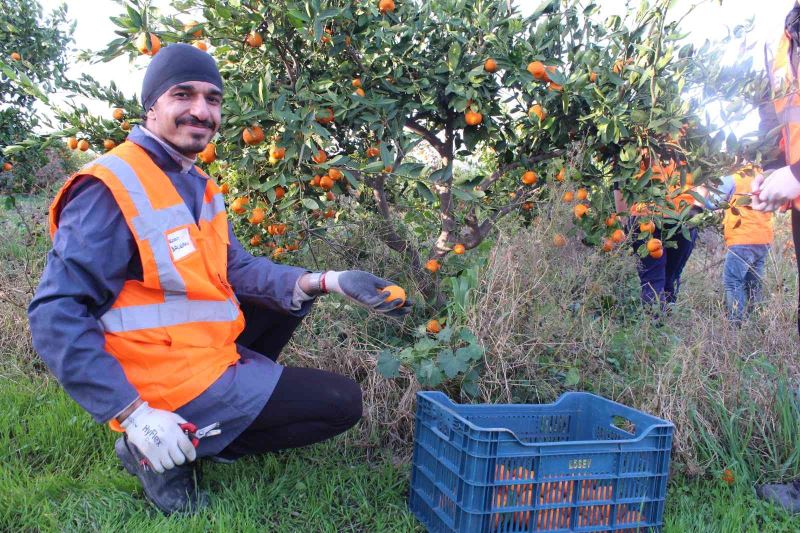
{"x": 150, "y": 114}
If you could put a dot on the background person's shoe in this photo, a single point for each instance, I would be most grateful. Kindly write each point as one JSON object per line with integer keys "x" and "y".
{"x": 786, "y": 495}
{"x": 173, "y": 491}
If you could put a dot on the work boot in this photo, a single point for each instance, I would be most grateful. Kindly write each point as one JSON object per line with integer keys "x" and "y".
{"x": 173, "y": 491}
{"x": 786, "y": 495}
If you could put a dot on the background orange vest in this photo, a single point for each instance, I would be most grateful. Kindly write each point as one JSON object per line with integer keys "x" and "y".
{"x": 173, "y": 333}
{"x": 747, "y": 226}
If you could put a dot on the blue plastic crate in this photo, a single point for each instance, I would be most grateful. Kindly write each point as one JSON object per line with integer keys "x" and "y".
{"x": 583, "y": 463}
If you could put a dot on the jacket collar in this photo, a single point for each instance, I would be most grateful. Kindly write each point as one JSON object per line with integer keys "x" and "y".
{"x": 164, "y": 155}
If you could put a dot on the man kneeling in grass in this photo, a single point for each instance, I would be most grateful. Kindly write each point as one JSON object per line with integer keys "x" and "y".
{"x": 138, "y": 311}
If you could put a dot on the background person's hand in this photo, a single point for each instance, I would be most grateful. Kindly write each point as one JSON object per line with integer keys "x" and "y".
{"x": 366, "y": 289}
{"x": 775, "y": 190}
{"x": 157, "y": 435}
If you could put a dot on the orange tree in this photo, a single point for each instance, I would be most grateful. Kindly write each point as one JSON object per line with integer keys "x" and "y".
{"x": 328, "y": 100}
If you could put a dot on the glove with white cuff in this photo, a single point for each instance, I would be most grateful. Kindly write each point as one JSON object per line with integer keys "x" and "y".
{"x": 157, "y": 434}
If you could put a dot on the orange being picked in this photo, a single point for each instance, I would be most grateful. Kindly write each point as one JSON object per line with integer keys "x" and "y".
{"x": 395, "y": 292}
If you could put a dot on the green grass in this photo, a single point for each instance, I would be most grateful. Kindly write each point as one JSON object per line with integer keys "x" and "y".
{"x": 58, "y": 472}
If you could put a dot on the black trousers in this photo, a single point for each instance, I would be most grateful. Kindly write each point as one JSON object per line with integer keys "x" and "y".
{"x": 307, "y": 406}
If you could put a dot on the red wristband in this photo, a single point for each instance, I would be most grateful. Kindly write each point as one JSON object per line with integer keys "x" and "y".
{"x": 322, "y": 285}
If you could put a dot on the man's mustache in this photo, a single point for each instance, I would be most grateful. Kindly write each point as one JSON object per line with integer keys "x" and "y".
{"x": 191, "y": 121}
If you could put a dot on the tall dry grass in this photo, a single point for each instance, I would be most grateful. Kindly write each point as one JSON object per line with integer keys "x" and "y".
{"x": 546, "y": 316}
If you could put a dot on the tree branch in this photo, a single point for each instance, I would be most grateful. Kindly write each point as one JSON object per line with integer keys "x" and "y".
{"x": 426, "y": 134}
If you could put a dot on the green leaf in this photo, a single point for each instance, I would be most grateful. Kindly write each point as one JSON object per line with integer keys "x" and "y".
{"x": 309, "y": 203}
{"x": 472, "y": 352}
{"x": 388, "y": 365}
{"x": 453, "y": 56}
{"x": 451, "y": 364}
{"x": 429, "y": 374}
{"x": 572, "y": 378}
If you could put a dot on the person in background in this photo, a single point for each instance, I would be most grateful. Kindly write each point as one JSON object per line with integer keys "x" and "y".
{"x": 748, "y": 235}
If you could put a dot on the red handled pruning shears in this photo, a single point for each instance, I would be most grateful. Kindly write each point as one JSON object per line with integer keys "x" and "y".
{"x": 195, "y": 434}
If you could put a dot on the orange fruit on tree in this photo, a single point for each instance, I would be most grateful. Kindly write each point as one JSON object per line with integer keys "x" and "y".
{"x": 253, "y": 135}
{"x": 335, "y": 174}
{"x": 141, "y": 44}
{"x": 386, "y": 6}
{"x": 254, "y": 39}
{"x": 647, "y": 227}
{"x": 356, "y": 82}
{"x": 568, "y": 197}
{"x": 326, "y": 182}
{"x": 327, "y": 117}
{"x": 618, "y": 66}
{"x": 15, "y": 56}
{"x": 125, "y": 126}
{"x": 433, "y": 326}
{"x": 109, "y": 144}
{"x": 559, "y": 240}
{"x": 201, "y": 45}
{"x": 237, "y": 206}
{"x": 611, "y": 220}
{"x": 581, "y": 194}
{"x": 330, "y": 196}
{"x": 118, "y": 114}
{"x": 209, "y": 153}
{"x": 654, "y": 244}
{"x": 193, "y": 27}
{"x": 7, "y": 167}
{"x": 255, "y": 240}
{"x": 618, "y": 236}
{"x": 608, "y": 245}
{"x": 554, "y": 86}
{"x": 83, "y": 145}
{"x": 277, "y": 152}
{"x": 224, "y": 188}
{"x": 396, "y": 292}
{"x": 529, "y": 178}
{"x": 72, "y": 142}
{"x": 593, "y": 77}
{"x": 256, "y": 216}
{"x": 561, "y": 174}
{"x": 388, "y": 169}
{"x": 527, "y": 206}
{"x": 537, "y": 110}
{"x": 473, "y": 118}
{"x": 657, "y": 254}
{"x": 432, "y": 265}
{"x": 315, "y": 181}
{"x": 490, "y": 65}
{"x": 373, "y": 151}
{"x": 580, "y": 210}
{"x": 330, "y": 213}
{"x": 537, "y": 70}
{"x": 459, "y": 249}
{"x": 320, "y": 157}
{"x": 280, "y": 192}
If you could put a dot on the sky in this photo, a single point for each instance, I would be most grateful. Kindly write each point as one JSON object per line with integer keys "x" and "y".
{"x": 710, "y": 20}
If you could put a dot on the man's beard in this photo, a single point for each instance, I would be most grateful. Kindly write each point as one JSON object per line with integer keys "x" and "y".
{"x": 197, "y": 141}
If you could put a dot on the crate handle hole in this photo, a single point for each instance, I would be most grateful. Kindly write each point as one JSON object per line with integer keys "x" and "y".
{"x": 620, "y": 422}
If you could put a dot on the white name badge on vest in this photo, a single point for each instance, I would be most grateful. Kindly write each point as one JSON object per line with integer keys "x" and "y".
{"x": 180, "y": 243}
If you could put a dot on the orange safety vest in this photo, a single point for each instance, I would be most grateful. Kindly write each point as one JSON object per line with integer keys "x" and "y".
{"x": 746, "y": 226}
{"x": 786, "y": 99}
{"x": 173, "y": 333}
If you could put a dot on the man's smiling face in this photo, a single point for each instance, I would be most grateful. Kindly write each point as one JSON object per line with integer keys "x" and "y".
{"x": 187, "y": 116}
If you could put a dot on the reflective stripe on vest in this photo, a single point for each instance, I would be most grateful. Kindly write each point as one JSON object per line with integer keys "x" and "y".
{"x": 174, "y": 332}
{"x": 150, "y": 225}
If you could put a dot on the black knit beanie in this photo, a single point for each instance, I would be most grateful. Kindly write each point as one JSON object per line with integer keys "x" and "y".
{"x": 175, "y": 64}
